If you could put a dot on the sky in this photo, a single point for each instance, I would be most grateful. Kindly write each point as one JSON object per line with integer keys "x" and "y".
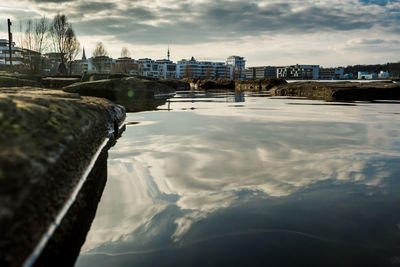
{"x": 266, "y": 32}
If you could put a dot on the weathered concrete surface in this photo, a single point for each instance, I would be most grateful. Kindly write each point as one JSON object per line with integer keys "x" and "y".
{"x": 258, "y": 85}
{"x": 8, "y": 81}
{"x": 64, "y": 246}
{"x": 133, "y": 93}
{"x": 57, "y": 83}
{"x": 344, "y": 91}
{"x": 47, "y": 139}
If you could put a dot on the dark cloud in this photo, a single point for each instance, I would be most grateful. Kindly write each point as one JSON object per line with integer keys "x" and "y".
{"x": 53, "y": 1}
{"x": 374, "y": 2}
{"x": 94, "y": 7}
{"x": 138, "y": 13}
{"x": 373, "y": 41}
{"x": 193, "y": 22}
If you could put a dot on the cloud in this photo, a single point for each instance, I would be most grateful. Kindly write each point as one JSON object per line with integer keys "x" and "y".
{"x": 54, "y": 1}
{"x": 257, "y": 153}
{"x": 93, "y": 7}
{"x": 201, "y": 22}
{"x": 374, "y": 2}
{"x": 147, "y": 24}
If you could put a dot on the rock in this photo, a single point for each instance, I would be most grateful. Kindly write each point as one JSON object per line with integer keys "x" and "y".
{"x": 16, "y": 82}
{"x": 345, "y": 91}
{"x": 192, "y": 82}
{"x": 226, "y": 83}
{"x": 210, "y": 84}
{"x": 207, "y": 84}
{"x": 176, "y": 84}
{"x": 133, "y": 93}
{"x": 47, "y": 139}
{"x": 258, "y": 85}
{"x": 57, "y": 83}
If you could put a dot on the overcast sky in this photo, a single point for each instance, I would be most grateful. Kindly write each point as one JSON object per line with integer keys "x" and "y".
{"x": 269, "y": 32}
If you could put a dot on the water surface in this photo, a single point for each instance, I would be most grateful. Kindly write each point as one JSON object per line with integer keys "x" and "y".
{"x": 234, "y": 180}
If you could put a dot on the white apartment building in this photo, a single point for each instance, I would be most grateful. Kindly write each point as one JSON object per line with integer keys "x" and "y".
{"x": 146, "y": 68}
{"x": 16, "y": 53}
{"x": 166, "y": 69}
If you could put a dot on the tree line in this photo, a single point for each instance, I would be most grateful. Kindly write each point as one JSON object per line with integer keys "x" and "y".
{"x": 43, "y": 35}
{"x": 392, "y": 68}
{"x": 57, "y": 35}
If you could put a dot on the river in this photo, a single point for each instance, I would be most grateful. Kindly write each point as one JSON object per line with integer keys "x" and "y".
{"x": 249, "y": 180}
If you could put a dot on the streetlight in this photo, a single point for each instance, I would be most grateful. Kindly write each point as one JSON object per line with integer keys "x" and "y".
{"x": 9, "y": 39}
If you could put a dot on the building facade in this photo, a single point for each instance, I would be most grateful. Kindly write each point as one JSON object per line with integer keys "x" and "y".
{"x": 78, "y": 67}
{"x": 331, "y": 73}
{"x": 238, "y": 67}
{"x": 101, "y": 64}
{"x": 263, "y": 72}
{"x": 366, "y": 75}
{"x": 298, "y": 72}
{"x": 203, "y": 69}
{"x": 17, "y": 54}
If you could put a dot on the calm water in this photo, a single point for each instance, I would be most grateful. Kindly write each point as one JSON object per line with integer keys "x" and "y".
{"x": 233, "y": 180}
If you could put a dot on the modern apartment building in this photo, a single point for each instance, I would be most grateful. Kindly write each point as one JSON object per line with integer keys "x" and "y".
{"x": 238, "y": 66}
{"x": 16, "y": 53}
{"x": 298, "y": 72}
{"x": 166, "y": 69}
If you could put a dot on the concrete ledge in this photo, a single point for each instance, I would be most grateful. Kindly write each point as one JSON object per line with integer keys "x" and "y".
{"x": 57, "y": 83}
{"x": 17, "y": 82}
{"x": 47, "y": 139}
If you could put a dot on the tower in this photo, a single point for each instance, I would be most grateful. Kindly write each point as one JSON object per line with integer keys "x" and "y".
{"x": 168, "y": 53}
{"x": 83, "y": 54}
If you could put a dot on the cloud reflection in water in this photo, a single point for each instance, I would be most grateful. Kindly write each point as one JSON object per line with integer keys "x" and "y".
{"x": 166, "y": 176}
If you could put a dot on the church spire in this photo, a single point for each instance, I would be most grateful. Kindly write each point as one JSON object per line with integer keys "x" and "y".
{"x": 83, "y": 54}
{"x": 168, "y": 52}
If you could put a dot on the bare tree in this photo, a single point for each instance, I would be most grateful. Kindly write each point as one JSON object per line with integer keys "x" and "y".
{"x": 98, "y": 54}
{"x": 20, "y": 38}
{"x": 125, "y": 52}
{"x": 41, "y": 31}
{"x": 28, "y": 39}
{"x": 100, "y": 50}
{"x": 72, "y": 47}
{"x": 208, "y": 73}
{"x": 188, "y": 71}
{"x": 40, "y": 34}
{"x": 58, "y": 32}
{"x": 29, "y": 43}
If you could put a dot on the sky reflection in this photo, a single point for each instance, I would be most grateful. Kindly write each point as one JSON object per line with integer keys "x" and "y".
{"x": 222, "y": 173}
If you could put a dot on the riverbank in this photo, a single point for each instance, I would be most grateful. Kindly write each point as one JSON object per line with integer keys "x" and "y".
{"x": 48, "y": 141}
